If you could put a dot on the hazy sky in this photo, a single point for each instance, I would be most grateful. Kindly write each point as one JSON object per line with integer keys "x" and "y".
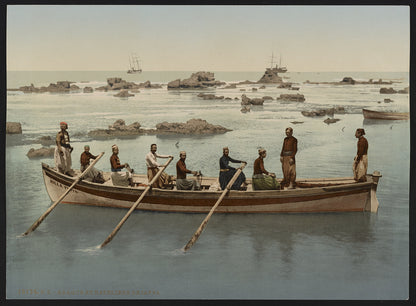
{"x": 213, "y": 38}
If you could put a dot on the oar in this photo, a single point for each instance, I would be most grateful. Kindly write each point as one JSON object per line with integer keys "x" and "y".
{"x": 117, "y": 228}
{"x": 204, "y": 223}
{"x": 41, "y": 218}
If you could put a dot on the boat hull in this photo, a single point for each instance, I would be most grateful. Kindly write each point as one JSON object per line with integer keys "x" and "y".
{"x": 338, "y": 198}
{"x": 369, "y": 114}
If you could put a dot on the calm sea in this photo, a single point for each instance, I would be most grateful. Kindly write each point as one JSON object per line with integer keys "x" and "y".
{"x": 239, "y": 256}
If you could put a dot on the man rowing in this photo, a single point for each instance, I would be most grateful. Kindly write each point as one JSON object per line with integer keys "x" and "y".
{"x": 227, "y": 172}
{"x": 182, "y": 183}
{"x": 153, "y": 168}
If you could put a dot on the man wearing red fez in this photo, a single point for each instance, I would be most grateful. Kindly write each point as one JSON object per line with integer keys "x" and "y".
{"x": 63, "y": 151}
{"x": 360, "y": 164}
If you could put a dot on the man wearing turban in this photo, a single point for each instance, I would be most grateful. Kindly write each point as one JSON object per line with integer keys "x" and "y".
{"x": 262, "y": 179}
{"x": 182, "y": 183}
{"x": 63, "y": 151}
{"x": 287, "y": 158}
{"x": 359, "y": 167}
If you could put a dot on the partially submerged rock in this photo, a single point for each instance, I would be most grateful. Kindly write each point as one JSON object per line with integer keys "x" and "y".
{"x": 385, "y": 90}
{"x": 124, "y": 94}
{"x": 118, "y": 128}
{"x": 247, "y": 101}
{"x": 331, "y": 120}
{"x": 270, "y": 76}
{"x": 200, "y": 79}
{"x": 13, "y": 128}
{"x": 324, "y": 112}
{"x": 120, "y": 84}
{"x": 88, "y": 90}
{"x": 59, "y": 87}
{"x": 39, "y": 153}
{"x": 191, "y": 127}
{"x": 245, "y": 109}
{"x": 210, "y": 96}
{"x": 291, "y": 97}
{"x": 351, "y": 81}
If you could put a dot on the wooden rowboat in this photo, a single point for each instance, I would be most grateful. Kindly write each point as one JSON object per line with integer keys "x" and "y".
{"x": 310, "y": 195}
{"x": 370, "y": 114}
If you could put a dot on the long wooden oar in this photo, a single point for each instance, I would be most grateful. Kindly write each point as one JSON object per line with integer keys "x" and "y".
{"x": 41, "y": 218}
{"x": 117, "y": 228}
{"x": 204, "y": 223}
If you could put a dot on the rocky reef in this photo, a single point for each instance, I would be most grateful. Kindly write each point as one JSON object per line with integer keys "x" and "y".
{"x": 59, "y": 87}
{"x": 119, "y": 84}
{"x": 200, "y": 79}
{"x": 191, "y": 127}
{"x": 351, "y": 81}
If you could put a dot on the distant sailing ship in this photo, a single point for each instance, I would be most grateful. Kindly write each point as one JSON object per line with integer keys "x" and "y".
{"x": 278, "y": 68}
{"x": 134, "y": 64}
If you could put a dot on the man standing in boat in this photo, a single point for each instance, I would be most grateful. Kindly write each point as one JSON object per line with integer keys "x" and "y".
{"x": 181, "y": 182}
{"x": 262, "y": 179}
{"x": 153, "y": 168}
{"x": 63, "y": 151}
{"x": 227, "y": 172}
{"x": 287, "y": 158}
{"x": 118, "y": 178}
{"x": 93, "y": 174}
{"x": 360, "y": 164}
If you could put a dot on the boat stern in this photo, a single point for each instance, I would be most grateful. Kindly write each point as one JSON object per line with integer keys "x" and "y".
{"x": 373, "y": 203}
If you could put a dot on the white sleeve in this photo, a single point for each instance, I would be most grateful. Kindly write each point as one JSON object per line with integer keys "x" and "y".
{"x": 162, "y": 156}
{"x": 151, "y": 160}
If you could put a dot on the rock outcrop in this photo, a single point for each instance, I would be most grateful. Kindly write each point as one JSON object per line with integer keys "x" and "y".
{"x": 120, "y": 84}
{"x": 385, "y": 90}
{"x": 331, "y": 120}
{"x": 88, "y": 90}
{"x": 118, "y": 128}
{"x": 59, "y": 87}
{"x": 40, "y": 153}
{"x": 270, "y": 76}
{"x": 191, "y": 127}
{"x": 200, "y": 79}
{"x": 13, "y": 128}
{"x": 291, "y": 97}
{"x": 247, "y": 101}
{"x": 324, "y": 112}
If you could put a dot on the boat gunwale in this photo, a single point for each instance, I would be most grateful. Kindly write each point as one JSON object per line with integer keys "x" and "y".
{"x": 233, "y": 194}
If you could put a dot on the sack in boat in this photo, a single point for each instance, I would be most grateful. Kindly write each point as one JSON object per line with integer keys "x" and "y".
{"x": 265, "y": 182}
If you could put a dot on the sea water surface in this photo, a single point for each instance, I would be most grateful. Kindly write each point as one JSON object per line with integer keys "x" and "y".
{"x": 238, "y": 256}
